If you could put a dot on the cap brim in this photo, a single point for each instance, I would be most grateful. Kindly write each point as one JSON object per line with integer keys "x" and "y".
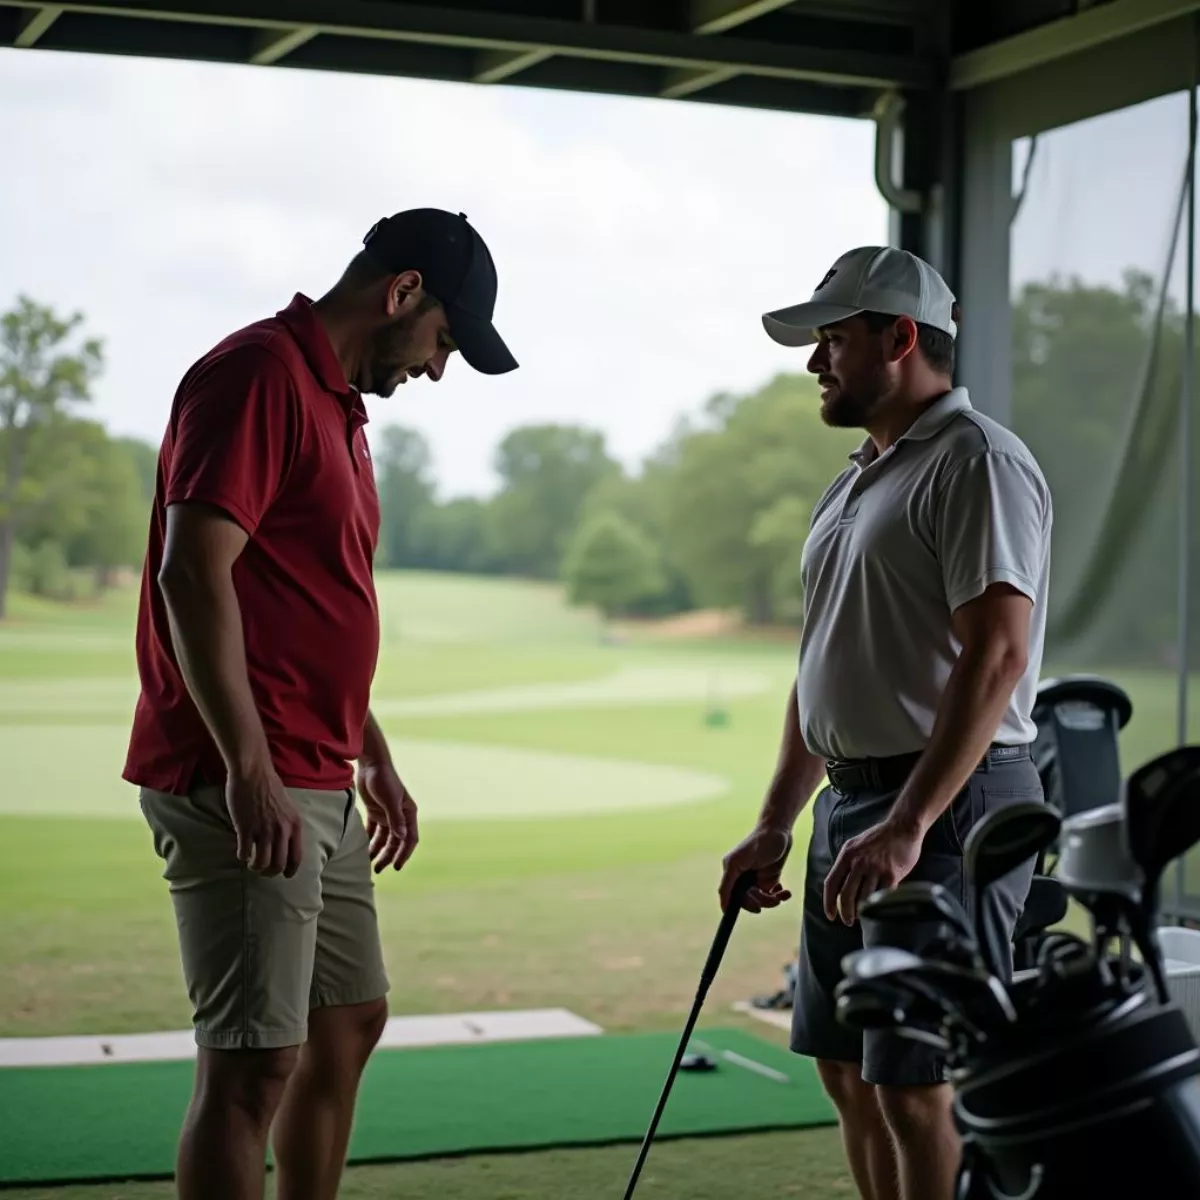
{"x": 478, "y": 342}
{"x": 798, "y": 325}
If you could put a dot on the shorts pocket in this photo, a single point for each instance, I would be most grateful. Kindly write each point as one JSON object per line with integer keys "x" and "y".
{"x": 1002, "y": 795}
{"x": 949, "y": 832}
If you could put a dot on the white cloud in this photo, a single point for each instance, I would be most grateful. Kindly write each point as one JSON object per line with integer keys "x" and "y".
{"x": 637, "y": 241}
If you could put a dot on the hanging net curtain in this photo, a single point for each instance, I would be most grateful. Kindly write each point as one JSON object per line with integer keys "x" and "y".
{"x": 1099, "y": 288}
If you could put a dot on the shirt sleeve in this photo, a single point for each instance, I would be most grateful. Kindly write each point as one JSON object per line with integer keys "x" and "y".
{"x": 236, "y": 429}
{"x": 992, "y": 526}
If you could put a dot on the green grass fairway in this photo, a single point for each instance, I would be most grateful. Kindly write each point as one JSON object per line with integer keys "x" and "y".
{"x": 575, "y": 808}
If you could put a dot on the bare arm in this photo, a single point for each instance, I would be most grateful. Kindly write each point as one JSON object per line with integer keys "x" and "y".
{"x": 375, "y": 748}
{"x": 196, "y": 580}
{"x": 993, "y": 630}
{"x": 797, "y": 773}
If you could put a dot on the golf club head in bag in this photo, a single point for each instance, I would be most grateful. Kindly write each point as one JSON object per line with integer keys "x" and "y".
{"x": 998, "y": 844}
{"x": 921, "y": 917}
{"x": 875, "y": 1003}
{"x": 1162, "y": 821}
{"x": 1162, "y": 812}
{"x": 712, "y": 964}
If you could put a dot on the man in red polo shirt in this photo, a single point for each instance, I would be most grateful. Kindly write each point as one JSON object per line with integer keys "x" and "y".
{"x": 257, "y": 638}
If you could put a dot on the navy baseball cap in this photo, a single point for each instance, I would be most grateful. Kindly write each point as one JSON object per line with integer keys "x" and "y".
{"x": 457, "y": 269}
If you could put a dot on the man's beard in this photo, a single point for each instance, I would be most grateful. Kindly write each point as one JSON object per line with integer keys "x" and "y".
{"x": 392, "y": 354}
{"x": 852, "y": 408}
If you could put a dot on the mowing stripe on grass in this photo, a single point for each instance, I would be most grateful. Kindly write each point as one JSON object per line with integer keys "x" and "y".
{"x": 633, "y": 685}
{"x": 74, "y": 1124}
{"x": 113, "y": 697}
{"x": 49, "y": 772}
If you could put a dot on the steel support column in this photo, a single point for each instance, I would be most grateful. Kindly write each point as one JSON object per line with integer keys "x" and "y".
{"x": 957, "y": 160}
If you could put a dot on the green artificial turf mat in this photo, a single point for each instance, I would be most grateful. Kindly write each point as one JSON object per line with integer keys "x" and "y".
{"x": 121, "y": 1121}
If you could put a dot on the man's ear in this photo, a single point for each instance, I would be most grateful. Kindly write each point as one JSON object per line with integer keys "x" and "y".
{"x": 904, "y": 338}
{"x": 403, "y": 292}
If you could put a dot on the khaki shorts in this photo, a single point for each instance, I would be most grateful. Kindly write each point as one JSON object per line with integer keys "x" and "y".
{"x": 260, "y": 953}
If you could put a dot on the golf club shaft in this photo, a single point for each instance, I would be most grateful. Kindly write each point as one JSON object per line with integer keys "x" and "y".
{"x": 720, "y": 942}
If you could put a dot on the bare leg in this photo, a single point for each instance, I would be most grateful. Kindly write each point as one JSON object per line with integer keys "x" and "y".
{"x": 223, "y": 1147}
{"x": 928, "y": 1146}
{"x": 312, "y": 1132}
{"x": 865, "y": 1134}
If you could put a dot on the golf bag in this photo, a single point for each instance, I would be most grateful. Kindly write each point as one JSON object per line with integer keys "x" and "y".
{"x": 1080, "y": 1078}
{"x": 1078, "y": 758}
{"x": 1089, "y": 1102}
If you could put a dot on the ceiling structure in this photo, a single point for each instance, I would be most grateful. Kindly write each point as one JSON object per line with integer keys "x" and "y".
{"x": 835, "y": 57}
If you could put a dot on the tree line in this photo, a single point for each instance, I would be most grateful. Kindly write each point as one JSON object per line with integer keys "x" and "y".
{"x": 714, "y": 517}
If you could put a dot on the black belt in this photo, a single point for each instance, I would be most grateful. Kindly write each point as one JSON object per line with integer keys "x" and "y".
{"x": 890, "y": 774}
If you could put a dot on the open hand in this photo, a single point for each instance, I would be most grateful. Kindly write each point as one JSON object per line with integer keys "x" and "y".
{"x": 391, "y": 816}
{"x": 879, "y": 858}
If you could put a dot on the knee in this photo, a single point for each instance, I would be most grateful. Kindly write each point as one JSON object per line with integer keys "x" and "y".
{"x": 372, "y": 1022}
{"x": 843, "y": 1083}
{"x": 247, "y": 1082}
{"x": 340, "y": 1040}
{"x": 913, "y": 1112}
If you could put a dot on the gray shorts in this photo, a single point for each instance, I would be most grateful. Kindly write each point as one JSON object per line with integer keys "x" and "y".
{"x": 838, "y": 816}
{"x": 259, "y": 953}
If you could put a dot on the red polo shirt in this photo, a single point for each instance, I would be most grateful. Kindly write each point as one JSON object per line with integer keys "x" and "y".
{"x": 266, "y": 428}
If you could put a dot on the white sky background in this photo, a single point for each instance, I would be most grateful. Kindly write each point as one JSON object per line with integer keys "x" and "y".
{"x": 637, "y": 242}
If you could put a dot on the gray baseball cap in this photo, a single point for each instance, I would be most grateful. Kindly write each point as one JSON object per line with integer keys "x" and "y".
{"x": 868, "y": 279}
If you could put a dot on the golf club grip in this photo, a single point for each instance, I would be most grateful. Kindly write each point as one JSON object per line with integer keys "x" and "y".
{"x": 744, "y": 883}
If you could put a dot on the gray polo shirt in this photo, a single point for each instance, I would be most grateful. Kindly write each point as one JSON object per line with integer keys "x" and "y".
{"x": 896, "y": 544}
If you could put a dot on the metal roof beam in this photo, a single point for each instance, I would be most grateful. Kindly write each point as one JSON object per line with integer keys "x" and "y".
{"x": 1058, "y": 39}
{"x": 274, "y": 45}
{"x": 494, "y": 66}
{"x": 32, "y": 25}
{"x": 718, "y": 16}
{"x": 681, "y": 82}
{"x": 483, "y": 30}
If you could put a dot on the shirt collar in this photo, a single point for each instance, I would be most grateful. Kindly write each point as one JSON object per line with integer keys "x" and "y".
{"x": 315, "y": 345}
{"x": 932, "y": 421}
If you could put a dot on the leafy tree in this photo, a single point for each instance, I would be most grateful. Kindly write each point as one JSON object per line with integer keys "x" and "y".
{"x": 753, "y": 453}
{"x": 546, "y": 472}
{"x": 641, "y": 500}
{"x": 455, "y": 537}
{"x": 46, "y": 369}
{"x": 144, "y": 459}
{"x": 101, "y": 523}
{"x": 403, "y": 470}
{"x": 611, "y": 565}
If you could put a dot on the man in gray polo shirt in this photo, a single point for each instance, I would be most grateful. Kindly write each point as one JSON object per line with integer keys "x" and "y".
{"x": 925, "y": 575}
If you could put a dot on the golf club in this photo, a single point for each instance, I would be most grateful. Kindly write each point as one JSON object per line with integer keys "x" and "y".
{"x": 998, "y": 844}
{"x": 930, "y": 904}
{"x": 1162, "y": 818}
{"x": 724, "y": 931}
{"x": 971, "y": 1000}
{"x": 877, "y": 961}
{"x": 885, "y": 1004}
{"x": 1097, "y": 867}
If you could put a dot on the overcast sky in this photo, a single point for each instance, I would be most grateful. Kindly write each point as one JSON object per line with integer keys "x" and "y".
{"x": 637, "y": 241}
